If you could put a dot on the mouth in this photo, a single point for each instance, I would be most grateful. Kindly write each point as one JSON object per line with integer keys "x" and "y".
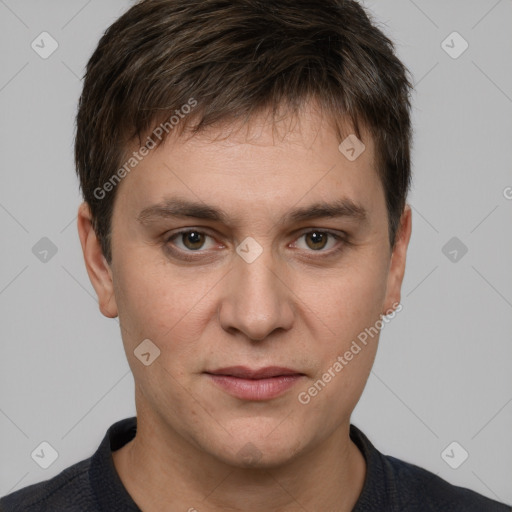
{"x": 255, "y": 384}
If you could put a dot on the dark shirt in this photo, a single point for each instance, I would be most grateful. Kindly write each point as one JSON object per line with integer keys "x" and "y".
{"x": 391, "y": 485}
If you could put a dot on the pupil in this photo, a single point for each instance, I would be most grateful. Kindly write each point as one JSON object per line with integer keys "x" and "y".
{"x": 318, "y": 240}
{"x": 193, "y": 240}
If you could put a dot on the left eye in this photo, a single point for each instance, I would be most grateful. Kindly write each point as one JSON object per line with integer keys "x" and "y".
{"x": 318, "y": 240}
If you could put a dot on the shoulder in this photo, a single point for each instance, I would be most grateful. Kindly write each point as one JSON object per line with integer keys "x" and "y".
{"x": 395, "y": 485}
{"x": 419, "y": 489}
{"x": 90, "y": 485}
{"x": 69, "y": 490}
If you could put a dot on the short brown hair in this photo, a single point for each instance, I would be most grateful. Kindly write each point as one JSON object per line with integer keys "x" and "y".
{"x": 236, "y": 58}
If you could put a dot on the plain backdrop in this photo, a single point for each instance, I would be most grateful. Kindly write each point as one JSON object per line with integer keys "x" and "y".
{"x": 443, "y": 369}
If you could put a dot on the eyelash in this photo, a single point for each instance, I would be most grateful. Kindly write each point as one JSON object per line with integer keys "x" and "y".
{"x": 342, "y": 241}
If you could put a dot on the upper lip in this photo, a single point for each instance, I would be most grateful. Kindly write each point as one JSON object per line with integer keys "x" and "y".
{"x": 243, "y": 372}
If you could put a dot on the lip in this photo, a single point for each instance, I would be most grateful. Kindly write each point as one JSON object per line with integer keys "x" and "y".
{"x": 244, "y": 372}
{"x": 261, "y": 384}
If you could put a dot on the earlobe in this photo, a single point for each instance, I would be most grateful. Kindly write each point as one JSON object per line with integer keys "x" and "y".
{"x": 398, "y": 259}
{"x": 99, "y": 270}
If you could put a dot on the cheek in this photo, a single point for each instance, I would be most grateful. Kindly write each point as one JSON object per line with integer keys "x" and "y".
{"x": 162, "y": 302}
{"x": 348, "y": 312}
{"x": 349, "y": 299}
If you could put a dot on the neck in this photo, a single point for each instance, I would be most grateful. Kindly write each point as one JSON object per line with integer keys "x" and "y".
{"x": 159, "y": 466}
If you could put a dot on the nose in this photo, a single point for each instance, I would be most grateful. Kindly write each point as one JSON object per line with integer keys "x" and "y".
{"x": 257, "y": 299}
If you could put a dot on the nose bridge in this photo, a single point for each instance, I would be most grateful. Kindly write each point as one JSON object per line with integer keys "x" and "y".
{"x": 257, "y": 301}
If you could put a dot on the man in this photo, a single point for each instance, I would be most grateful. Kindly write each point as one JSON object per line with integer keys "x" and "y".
{"x": 245, "y": 167}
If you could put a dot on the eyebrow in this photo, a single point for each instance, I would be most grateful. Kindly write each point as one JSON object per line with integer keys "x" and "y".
{"x": 179, "y": 208}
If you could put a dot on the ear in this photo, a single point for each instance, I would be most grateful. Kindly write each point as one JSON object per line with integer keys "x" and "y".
{"x": 397, "y": 264}
{"x": 98, "y": 269}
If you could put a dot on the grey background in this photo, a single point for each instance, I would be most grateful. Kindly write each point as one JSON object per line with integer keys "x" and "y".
{"x": 442, "y": 372}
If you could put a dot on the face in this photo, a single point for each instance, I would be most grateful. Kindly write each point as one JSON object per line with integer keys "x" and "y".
{"x": 249, "y": 249}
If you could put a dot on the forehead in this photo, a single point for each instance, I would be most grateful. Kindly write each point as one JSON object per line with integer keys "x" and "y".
{"x": 260, "y": 166}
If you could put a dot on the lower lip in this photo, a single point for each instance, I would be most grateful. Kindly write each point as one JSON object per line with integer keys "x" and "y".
{"x": 255, "y": 389}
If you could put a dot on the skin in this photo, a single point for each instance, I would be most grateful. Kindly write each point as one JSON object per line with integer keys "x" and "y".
{"x": 298, "y": 305}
